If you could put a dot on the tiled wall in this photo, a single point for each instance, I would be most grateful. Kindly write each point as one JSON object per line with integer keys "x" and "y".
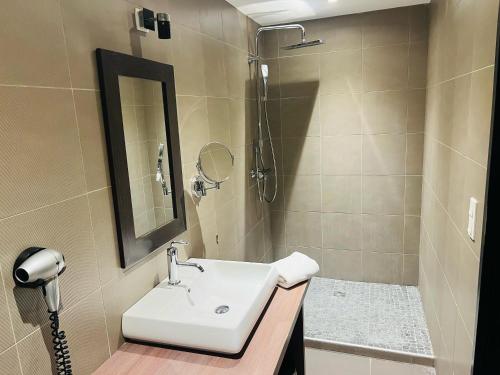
{"x": 54, "y": 180}
{"x": 348, "y": 120}
{"x": 459, "y": 101}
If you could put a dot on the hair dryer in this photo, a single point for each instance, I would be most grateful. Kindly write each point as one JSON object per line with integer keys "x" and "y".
{"x": 40, "y": 267}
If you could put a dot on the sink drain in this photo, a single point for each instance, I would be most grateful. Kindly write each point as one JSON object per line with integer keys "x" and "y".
{"x": 222, "y": 309}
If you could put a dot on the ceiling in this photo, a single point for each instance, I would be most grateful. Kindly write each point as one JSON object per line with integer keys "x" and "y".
{"x": 270, "y": 12}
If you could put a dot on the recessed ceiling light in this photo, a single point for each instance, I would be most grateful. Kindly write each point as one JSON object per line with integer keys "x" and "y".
{"x": 332, "y": 1}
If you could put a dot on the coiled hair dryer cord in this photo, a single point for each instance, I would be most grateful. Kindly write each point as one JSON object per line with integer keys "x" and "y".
{"x": 61, "y": 350}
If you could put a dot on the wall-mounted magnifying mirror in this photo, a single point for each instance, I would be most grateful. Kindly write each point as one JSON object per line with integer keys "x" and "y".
{"x": 215, "y": 163}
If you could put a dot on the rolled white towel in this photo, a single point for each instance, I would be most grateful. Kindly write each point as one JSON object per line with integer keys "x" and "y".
{"x": 294, "y": 269}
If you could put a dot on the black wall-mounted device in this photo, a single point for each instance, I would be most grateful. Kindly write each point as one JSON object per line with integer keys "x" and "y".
{"x": 145, "y": 21}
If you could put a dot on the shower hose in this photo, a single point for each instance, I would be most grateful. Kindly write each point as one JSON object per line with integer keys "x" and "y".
{"x": 260, "y": 156}
{"x": 60, "y": 345}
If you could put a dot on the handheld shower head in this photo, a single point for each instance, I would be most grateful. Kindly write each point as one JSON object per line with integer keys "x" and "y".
{"x": 39, "y": 267}
{"x": 264, "y": 69}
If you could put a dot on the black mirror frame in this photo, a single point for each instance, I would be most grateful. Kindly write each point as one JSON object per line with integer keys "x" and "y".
{"x": 110, "y": 66}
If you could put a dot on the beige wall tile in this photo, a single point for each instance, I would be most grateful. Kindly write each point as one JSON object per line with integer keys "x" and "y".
{"x": 274, "y": 118}
{"x": 385, "y": 68}
{"x": 269, "y": 44}
{"x": 303, "y": 229}
{"x": 43, "y": 149}
{"x": 9, "y": 362}
{"x": 385, "y": 27}
{"x": 384, "y": 112}
{"x": 85, "y": 327}
{"x": 466, "y": 290}
{"x": 7, "y": 337}
{"x": 211, "y": 17}
{"x": 92, "y": 139}
{"x": 35, "y": 353}
{"x": 104, "y": 229}
{"x": 342, "y": 231}
{"x": 463, "y": 352}
{"x": 458, "y": 47}
{"x": 481, "y": 101}
{"x": 302, "y": 193}
{"x": 344, "y": 32}
{"x": 215, "y": 72}
{"x": 204, "y": 238}
{"x": 383, "y": 195}
{"x": 186, "y": 12}
{"x": 416, "y": 111}
{"x": 189, "y": 62}
{"x": 342, "y": 264}
{"x": 299, "y": 76}
{"x": 413, "y": 195}
{"x": 89, "y": 25}
{"x": 340, "y": 72}
{"x": 341, "y": 194}
{"x": 218, "y": 120}
{"x": 383, "y": 268}
{"x": 234, "y": 26}
{"x": 384, "y": 154}
{"x": 383, "y": 233}
{"x": 485, "y": 24}
{"x": 419, "y": 23}
{"x": 27, "y": 58}
{"x": 193, "y": 126}
{"x": 418, "y": 65}
{"x": 302, "y": 156}
{"x": 340, "y": 114}
{"x": 300, "y": 117}
{"x": 410, "y": 269}
{"x": 412, "y": 234}
{"x": 237, "y": 72}
{"x": 414, "y": 153}
{"x": 278, "y": 229}
{"x": 334, "y": 151}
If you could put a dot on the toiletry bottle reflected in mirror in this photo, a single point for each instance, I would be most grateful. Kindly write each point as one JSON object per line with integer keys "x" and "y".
{"x": 147, "y": 153}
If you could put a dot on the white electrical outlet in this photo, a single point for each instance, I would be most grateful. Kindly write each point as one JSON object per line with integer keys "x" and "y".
{"x": 471, "y": 227}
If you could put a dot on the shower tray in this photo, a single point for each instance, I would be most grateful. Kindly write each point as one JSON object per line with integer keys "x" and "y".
{"x": 377, "y": 320}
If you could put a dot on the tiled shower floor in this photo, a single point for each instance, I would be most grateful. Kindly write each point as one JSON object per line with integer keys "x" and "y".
{"x": 381, "y": 316}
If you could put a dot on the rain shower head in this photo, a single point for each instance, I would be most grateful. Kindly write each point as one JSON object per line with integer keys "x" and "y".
{"x": 304, "y": 44}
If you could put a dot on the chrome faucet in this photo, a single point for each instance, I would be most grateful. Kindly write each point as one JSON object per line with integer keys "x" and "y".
{"x": 173, "y": 262}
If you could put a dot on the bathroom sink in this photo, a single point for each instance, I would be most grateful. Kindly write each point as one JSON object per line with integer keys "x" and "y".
{"x": 213, "y": 310}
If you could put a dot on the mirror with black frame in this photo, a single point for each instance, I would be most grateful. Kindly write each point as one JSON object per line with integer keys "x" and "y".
{"x": 139, "y": 107}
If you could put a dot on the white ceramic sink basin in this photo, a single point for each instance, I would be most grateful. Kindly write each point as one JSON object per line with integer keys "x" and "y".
{"x": 185, "y": 315}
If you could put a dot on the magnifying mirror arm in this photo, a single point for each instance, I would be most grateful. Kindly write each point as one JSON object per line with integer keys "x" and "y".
{"x": 200, "y": 185}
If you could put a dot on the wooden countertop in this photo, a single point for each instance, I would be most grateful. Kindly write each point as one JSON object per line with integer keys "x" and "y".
{"x": 262, "y": 356}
